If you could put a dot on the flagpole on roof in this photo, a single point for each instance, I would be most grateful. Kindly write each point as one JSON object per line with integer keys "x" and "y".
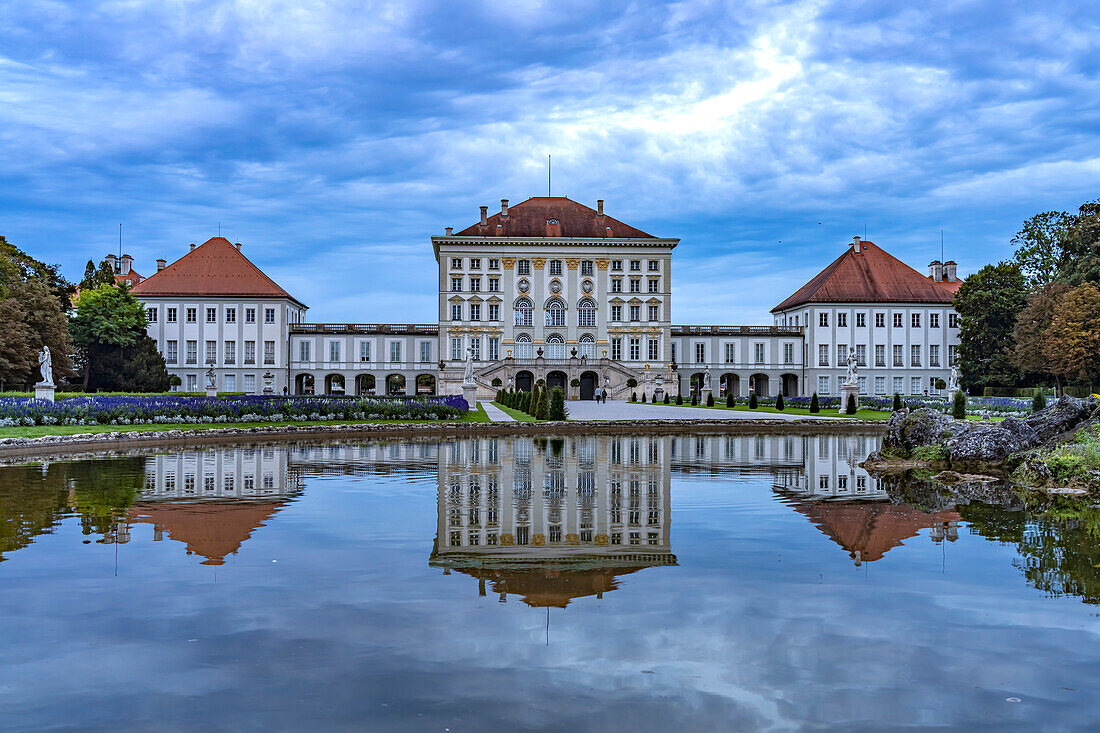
{"x": 548, "y": 170}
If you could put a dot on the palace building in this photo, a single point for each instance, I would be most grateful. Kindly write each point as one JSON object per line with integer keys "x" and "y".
{"x": 550, "y": 289}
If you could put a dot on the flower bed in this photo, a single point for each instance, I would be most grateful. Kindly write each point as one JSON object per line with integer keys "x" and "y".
{"x": 196, "y": 410}
{"x": 997, "y": 406}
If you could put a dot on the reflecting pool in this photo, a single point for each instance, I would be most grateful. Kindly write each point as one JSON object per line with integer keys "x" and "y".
{"x": 575, "y": 583}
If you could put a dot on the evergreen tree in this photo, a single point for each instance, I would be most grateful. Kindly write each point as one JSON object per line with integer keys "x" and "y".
{"x": 853, "y": 405}
{"x": 988, "y": 303}
{"x": 666, "y": 398}
{"x": 17, "y": 266}
{"x": 679, "y": 399}
{"x": 753, "y": 404}
{"x": 694, "y": 399}
{"x": 48, "y": 326}
{"x": 815, "y": 406}
{"x": 958, "y": 407}
{"x": 633, "y": 396}
{"x": 898, "y": 404}
{"x": 557, "y": 404}
{"x": 779, "y": 402}
{"x": 1073, "y": 339}
{"x": 542, "y": 410}
{"x": 1039, "y": 401}
{"x": 710, "y": 399}
{"x": 729, "y": 399}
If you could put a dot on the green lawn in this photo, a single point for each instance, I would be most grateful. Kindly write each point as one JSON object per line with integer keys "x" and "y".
{"x": 516, "y": 414}
{"x": 39, "y": 431}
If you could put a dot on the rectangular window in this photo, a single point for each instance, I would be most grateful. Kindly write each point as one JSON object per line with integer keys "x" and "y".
{"x": 456, "y": 349}
{"x": 916, "y": 320}
{"x": 475, "y": 347}
{"x": 823, "y": 385}
{"x": 934, "y": 355}
{"x": 395, "y": 351}
{"x": 758, "y": 353}
{"x": 269, "y": 352}
{"x": 880, "y": 355}
{"x": 654, "y": 265}
{"x": 586, "y": 268}
{"x": 842, "y": 320}
{"x": 171, "y": 352}
{"x": 673, "y": 347}
{"x": 880, "y": 320}
{"x": 953, "y": 320}
{"x": 952, "y": 355}
{"x": 230, "y": 315}
{"x": 788, "y": 353}
{"x": 456, "y": 284}
{"x": 654, "y": 285}
{"x": 523, "y": 267}
{"x": 170, "y": 315}
{"x": 861, "y": 320}
{"x": 635, "y": 265}
{"x": 334, "y": 351}
{"x": 456, "y": 311}
{"x": 617, "y": 348}
{"x": 823, "y": 355}
{"x": 269, "y": 315}
{"x": 897, "y": 320}
{"x": 475, "y": 263}
{"x": 249, "y": 352}
{"x": 730, "y": 353}
{"x": 192, "y": 383}
{"x": 862, "y": 382}
{"x": 616, "y": 285}
{"x": 494, "y": 311}
{"x": 364, "y": 351}
{"x": 250, "y": 383}
{"x": 823, "y": 319}
{"x": 899, "y": 355}
{"x": 555, "y": 267}
{"x": 192, "y": 352}
{"x": 933, "y": 320}
{"x": 635, "y": 313}
{"x": 880, "y": 385}
{"x": 635, "y": 349}
{"x": 653, "y": 313}
{"x": 456, "y": 263}
{"x": 192, "y": 315}
{"x": 841, "y": 354}
{"x": 494, "y": 348}
{"x": 249, "y": 315}
{"x": 425, "y": 352}
{"x": 700, "y": 353}
{"x": 861, "y": 355}
{"x": 494, "y": 263}
{"x": 914, "y": 355}
{"x": 475, "y": 284}
{"x": 303, "y": 350}
{"x": 475, "y": 311}
{"x": 230, "y": 352}
{"x": 651, "y": 346}
{"x": 616, "y": 265}
{"x": 616, "y": 313}
{"x": 635, "y": 285}
{"x": 494, "y": 285}
{"x": 914, "y": 385}
{"x": 211, "y": 315}
{"x": 151, "y": 315}
{"x": 899, "y": 385}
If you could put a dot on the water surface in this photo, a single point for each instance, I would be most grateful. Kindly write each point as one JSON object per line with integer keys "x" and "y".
{"x": 600, "y": 583}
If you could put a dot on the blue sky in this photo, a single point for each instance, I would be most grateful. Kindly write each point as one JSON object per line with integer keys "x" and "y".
{"x": 333, "y": 137}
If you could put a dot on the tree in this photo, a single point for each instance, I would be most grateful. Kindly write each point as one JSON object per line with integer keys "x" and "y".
{"x": 898, "y": 404}
{"x": 1039, "y": 401}
{"x": 557, "y": 404}
{"x": 710, "y": 399}
{"x": 988, "y": 303}
{"x": 679, "y": 399}
{"x": 853, "y": 405}
{"x": 815, "y": 406}
{"x": 1081, "y": 254}
{"x": 753, "y": 404}
{"x": 729, "y": 399}
{"x": 136, "y": 368}
{"x": 779, "y": 402}
{"x": 17, "y": 266}
{"x": 48, "y": 327}
{"x": 108, "y": 324}
{"x": 1040, "y": 246}
{"x": 666, "y": 398}
{"x": 96, "y": 276}
{"x": 16, "y": 360}
{"x": 1030, "y": 329}
{"x": 1073, "y": 339}
{"x": 958, "y": 406}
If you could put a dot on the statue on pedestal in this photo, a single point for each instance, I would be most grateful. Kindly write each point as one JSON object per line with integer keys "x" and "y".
{"x": 706, "y": 380}
{"x": 953, "y": 382}
{"x": 468, "y": 376}
{"x": 853, "y": 368}
{"x": 45, "y": 366}
{"x": 211, "y": 378}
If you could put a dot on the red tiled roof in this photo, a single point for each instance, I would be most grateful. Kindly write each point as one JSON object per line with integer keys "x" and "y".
{"x": 870, "y": 529}
{"x": 531, "y": 218}
{"x": 132, "y": 278}
{"x": 212, "y": 530}
{"x": 214, "y": 268}
{"x": 870, "y": 276}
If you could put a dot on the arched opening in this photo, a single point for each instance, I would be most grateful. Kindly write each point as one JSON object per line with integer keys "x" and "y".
{"x": 524, "y": 381}
{"x": 523, "y": 346}
{"x": 555, "y": 314}
{"x": 729, "y": 384}
{"x": 365, "y": 384}
{"x": 555, "y": 346}
{"x": 425, "y": 384}
{"x": 334, "y": 384}
{"x": 555, "y": 379}
{"x": 589, "y": 381}
{"x": 586, "y": 346}
{"x": 303, "y": 384}
{"x": 395, "y": 384}
{"x": 696, "y": 383}
{"x": 586, "y": 313}
{"x": 524, "y": 308}
{"x": 758, "y": 383}
{"x": 790, "y": 385}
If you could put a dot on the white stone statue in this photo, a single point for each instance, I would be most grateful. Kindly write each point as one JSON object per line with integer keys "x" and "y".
{"x": 509, "y": 385}
{"x": 45, "y": 366}
{"x": 706, "y": 380}
{"x": 853, "y": 368}
{"x": 468, "y": 377}
{"x": 953, "y": 382}
{"x": 660, "y": 379}
{"x": 211, "y": 378}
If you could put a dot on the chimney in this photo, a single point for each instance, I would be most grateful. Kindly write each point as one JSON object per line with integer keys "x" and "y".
{"x": 161, "y": 264}
{"x": 450, "y": 231}
{"x": 484, "y": 215}
{"x": 856, "y": 241}
{"x": 124, "y": 264}
{"x": 237, "y": 245}
{"x": 599, "y": 207}
{"x": 949, "y": 271}
{"x": 504, "y": 207}
{"x": 192, "y": 246}
{"x": 935, "y": 270}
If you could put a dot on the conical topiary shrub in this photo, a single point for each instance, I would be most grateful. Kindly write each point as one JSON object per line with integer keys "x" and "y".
{"x": 557, "y": 404}
{"x": 779, "y": 402}
{"x": 694, "y": 399}
{"x": 1038, "y": 402}
{"x": 633, "y": 396}
{"x": 710, "y": 400}
{"x": 898, "y": 404}
{"x": 679, "y": 399}
{"x": 853, "y": 405}
{"x": 814, "y": 405}
{"x": 666, "y": 398}
{"x": 729, "y": 399}
{"x": 542, "y": 410}
{"x": 753, "y": 404}
{"x": 958, "y": 408}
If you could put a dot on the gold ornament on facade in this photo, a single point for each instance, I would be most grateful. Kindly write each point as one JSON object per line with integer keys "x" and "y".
{"x": 538, "y": 262}
{"x": 573, "y": 263}
{"x": 508, "y": 262}
{"x": 601, "y": 264}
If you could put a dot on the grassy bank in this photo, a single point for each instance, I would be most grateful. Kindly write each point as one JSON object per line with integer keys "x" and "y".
{"x": 40, "y": 431}
{"x": 1076, "y": 462}
{"x": 516, "y": 415}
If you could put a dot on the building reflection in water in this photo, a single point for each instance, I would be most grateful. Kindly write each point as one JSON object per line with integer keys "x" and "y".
{"x": 551, "y": 520}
